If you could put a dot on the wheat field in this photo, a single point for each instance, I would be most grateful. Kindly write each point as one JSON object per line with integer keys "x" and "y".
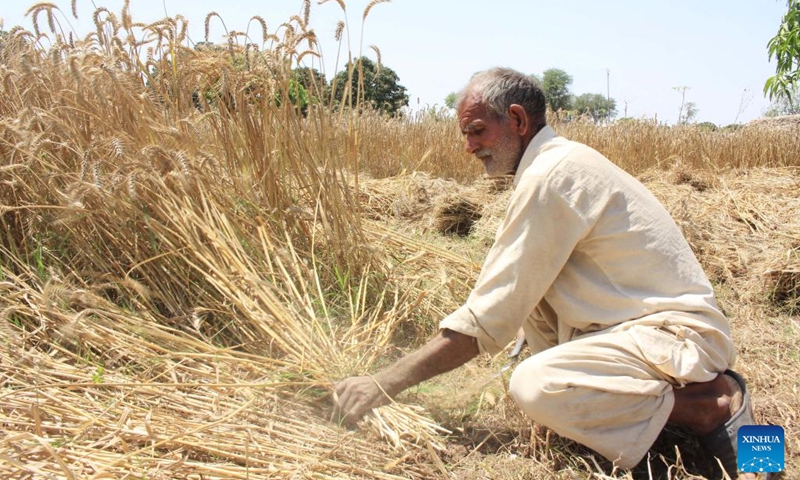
{"x": 189, "y": 262}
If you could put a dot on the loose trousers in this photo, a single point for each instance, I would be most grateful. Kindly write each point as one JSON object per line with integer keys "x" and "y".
{"x": 612, "y": 391}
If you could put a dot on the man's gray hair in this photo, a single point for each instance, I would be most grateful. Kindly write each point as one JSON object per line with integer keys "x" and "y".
{"x": 499, "y": 88}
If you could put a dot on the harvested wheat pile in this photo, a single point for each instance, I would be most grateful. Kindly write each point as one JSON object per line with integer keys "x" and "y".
{"x": 433, "y": 204}
{"x": 461, "y": 213}
{"x": 745, "y": 231}
{"x": 408, "y": 196}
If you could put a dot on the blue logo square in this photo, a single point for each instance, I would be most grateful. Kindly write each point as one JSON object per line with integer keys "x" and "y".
{"x": 761, "y": 448}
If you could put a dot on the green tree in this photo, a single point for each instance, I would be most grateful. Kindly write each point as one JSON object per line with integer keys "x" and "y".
{"x": 381, "y": 87}
{"x": 310, "y": 78}
{"x": 785, "y": 48}
{"x": 313, "y": 82}
{"x": 208, "y": 47}
{"x": 597, "y": 106}
{"x": 555, "y": 83}
{"x": 450, "y": 100}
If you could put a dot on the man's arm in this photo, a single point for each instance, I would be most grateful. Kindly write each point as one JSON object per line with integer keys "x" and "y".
{"x": 355, "y": 396}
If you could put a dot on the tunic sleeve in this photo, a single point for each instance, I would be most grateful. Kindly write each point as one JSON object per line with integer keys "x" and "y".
{"x": 546, "y": 218}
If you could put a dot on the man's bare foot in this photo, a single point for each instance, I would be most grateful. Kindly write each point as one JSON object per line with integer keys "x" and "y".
{"x": 704, "y": 407}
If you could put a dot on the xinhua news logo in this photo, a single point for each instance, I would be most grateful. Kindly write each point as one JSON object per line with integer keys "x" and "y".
{"x": 761, "y": 448}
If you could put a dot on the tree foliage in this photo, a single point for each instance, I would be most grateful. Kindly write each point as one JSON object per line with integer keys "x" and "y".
{"x": 785, "y": 48}
{"x": 555, "y": 83}
{"x": 450, "y": 100}
{"x": 313, "y": 82}
{"x": 379, "y": 84}
{"x": 690, "y": 112}
{"x": 310, "y": 78}
{"x": 597, "y": 106}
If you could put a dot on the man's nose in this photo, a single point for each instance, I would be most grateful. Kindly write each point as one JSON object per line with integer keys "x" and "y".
{"x": 471, "y": 146}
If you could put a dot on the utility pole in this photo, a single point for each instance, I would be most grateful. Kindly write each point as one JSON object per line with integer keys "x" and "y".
{"x": 608, "y": 84}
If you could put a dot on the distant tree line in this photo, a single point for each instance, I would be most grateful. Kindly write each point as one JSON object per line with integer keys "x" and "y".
{"x": 556, "y": 85}
{"x": 361, "y": 83}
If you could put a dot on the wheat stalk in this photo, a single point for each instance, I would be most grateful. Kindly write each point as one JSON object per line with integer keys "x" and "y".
{"x": 372, "y": 4}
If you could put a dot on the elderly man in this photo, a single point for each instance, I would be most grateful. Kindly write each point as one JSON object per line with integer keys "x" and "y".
{"x": 622, "y": 323}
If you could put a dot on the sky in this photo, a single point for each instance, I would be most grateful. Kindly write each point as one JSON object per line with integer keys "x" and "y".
{"x": 635, "y": 50}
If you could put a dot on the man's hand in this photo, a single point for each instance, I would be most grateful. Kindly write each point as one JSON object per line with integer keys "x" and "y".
{"x": 354, "y": 397}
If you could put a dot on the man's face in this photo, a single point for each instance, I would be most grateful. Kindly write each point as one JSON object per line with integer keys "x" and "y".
{"x": 492, "y": 140}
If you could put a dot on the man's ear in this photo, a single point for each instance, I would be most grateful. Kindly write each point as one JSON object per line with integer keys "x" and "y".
{"x": 519, "y": 119}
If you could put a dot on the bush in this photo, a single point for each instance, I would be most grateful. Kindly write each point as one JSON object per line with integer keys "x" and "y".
{"x": 708, "y": 126}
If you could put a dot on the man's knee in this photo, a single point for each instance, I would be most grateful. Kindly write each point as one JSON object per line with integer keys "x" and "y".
{"x": 537, "y": 390}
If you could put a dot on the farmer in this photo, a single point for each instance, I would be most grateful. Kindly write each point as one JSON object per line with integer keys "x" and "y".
{"x": 622, "y": 323}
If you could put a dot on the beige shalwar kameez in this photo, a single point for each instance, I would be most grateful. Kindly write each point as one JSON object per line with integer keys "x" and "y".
{"x": 613, "y": 302}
